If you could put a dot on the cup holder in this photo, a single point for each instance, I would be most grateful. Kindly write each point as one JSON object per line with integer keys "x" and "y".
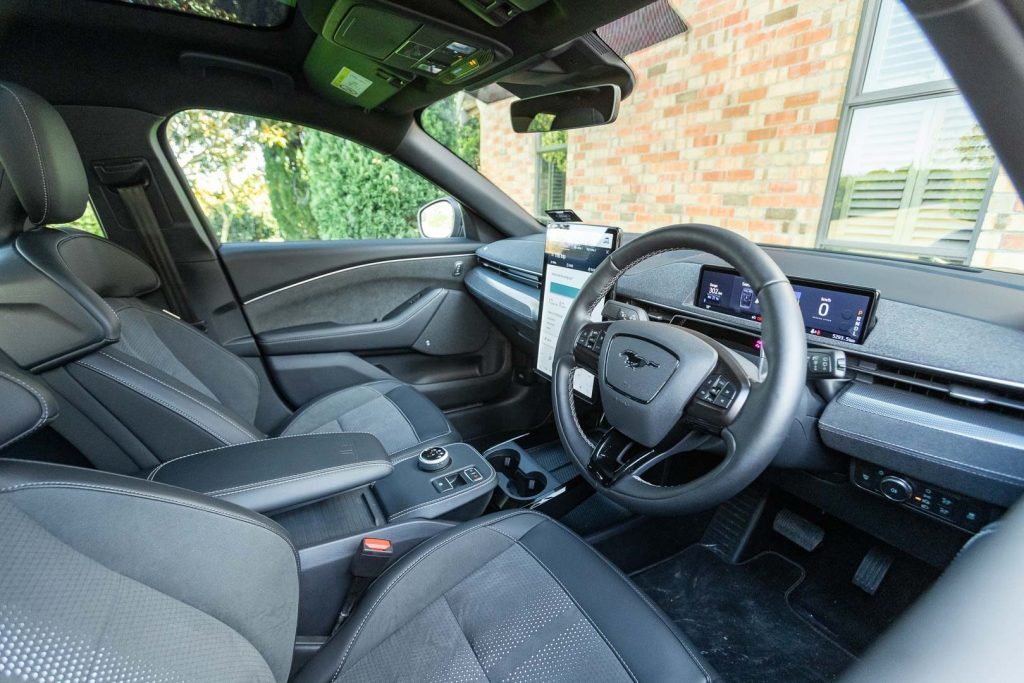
{"x": 513, "y": 480}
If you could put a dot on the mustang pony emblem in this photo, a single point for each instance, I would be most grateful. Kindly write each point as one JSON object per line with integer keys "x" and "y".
{"x": 635, "y": 361}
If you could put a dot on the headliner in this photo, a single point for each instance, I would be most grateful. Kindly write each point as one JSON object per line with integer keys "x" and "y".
{"x": 89, "y": 52}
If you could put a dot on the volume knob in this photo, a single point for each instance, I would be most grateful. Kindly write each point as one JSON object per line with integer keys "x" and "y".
{"x": 895, "y": 489}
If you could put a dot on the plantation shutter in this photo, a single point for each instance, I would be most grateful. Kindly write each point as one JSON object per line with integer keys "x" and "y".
{"x": 914, "y": 176}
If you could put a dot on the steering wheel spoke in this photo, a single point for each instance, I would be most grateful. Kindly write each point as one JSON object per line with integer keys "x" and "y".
{"x": 586, "y": 350}
{"x": 616, "y": 456}
{"x": 721, "y": 396}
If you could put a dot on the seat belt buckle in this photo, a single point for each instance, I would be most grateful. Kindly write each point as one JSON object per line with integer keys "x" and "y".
{"x": 372, "y": 559}
{"x": 369, "y": 562}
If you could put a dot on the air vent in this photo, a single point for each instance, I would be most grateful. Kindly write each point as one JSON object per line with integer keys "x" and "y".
{"x": 968, "y": 392}
{"x": 518, "y": 274}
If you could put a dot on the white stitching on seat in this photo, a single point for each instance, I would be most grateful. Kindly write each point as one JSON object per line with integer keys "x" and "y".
{"x": 150, "y": 396}
{"x": 296, "y": 477}
{"x": 213, "y": 410}
{"x": 404, "y": 572}
{"x": 673, "y": 629}
{"x": 160, "y": 315}
{"x": 39, "y": 156}
{"x": 415, "y": 434}
{"x": 42, "y": 403}
{"x": 71, "y": 273}
{"x": 569, "y": 595}
{"x": 152, "y": 496}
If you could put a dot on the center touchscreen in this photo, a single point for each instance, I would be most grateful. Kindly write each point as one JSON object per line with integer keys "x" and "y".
{"x": 831, "y": 311}
{"x": 571, "y": 253}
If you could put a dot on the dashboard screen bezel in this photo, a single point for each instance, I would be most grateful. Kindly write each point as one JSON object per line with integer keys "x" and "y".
{"x": 869, "y": 315}
{"x": 616, "y": 243}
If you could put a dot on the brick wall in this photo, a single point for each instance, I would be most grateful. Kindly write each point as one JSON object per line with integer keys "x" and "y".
{"x": 731, "y": 123}
{"x": 507, "y": 158}
{"x": 1001, "y": 241}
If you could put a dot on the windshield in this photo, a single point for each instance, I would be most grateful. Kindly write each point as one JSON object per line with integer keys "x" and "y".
{"x": 819, "y": 125}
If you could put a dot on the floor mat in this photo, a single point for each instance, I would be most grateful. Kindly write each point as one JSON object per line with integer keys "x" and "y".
{"x": 739, "y": 616}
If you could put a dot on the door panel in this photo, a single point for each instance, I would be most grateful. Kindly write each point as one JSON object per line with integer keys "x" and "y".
{"x": 259, "y": 269}
{"x": 327, "y": 315}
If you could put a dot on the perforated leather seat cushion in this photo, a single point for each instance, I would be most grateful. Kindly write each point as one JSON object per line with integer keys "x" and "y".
{"x": 510, "y": 597}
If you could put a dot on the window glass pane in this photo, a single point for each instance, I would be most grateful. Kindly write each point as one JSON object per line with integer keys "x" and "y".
{"x": 913, "y": 179}
{"x": 900, "y": 53}
{"x": 89, "y": 222}
{"x": 262, "y": 180}
{"x": 263, "y": 13}
{"x": 455, "y": 123}
{"x": 551, "y": 168}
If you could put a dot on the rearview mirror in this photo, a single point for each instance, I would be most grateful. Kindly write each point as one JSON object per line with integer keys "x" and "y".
{"x": 578, "y": 108}
{"x": 441, "y": 218}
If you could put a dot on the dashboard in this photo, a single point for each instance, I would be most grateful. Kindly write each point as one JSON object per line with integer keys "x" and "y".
{"x": 933, "y": 389}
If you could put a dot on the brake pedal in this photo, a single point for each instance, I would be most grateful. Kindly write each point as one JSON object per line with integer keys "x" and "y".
{"x": 804, "y": 533}
{"x": 872, "y": 570}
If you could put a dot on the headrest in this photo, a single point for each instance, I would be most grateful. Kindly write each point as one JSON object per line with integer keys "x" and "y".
{"x": 40, "y": 159}
{"x": 109, "y": 270}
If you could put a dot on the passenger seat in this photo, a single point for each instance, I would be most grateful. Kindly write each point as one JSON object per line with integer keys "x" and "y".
{"x": 148, "y": 387}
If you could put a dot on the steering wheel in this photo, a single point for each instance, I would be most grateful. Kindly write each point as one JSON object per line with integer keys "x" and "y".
{"x": 666, "y": 389}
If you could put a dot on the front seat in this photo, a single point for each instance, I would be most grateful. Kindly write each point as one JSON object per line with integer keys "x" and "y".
{"x": 105, "y": 577}
{"x": 153, "y": 387}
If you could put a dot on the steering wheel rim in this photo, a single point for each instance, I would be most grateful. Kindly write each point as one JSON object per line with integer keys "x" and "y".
{"x": 752, "y": 434}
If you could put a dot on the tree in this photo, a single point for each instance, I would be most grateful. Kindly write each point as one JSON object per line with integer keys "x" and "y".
{"x": 455, "y": 123}
{"x": 356, "y": 193}
{"x": 287, "y": 179}
{"x": 216, "y": 150}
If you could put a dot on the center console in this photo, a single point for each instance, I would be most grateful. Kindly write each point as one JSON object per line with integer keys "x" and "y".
{"x": 452, "y": 481}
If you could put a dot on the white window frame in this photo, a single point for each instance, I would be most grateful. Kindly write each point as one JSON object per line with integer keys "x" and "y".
{"x": 855, "y": 99}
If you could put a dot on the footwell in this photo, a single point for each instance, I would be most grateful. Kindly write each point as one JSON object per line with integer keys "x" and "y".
{"x": 740, "y": 618}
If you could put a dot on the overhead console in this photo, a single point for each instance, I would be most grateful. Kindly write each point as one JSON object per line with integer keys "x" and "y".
{"x": 500, "y": 12}
{"x": 367, "y": 51}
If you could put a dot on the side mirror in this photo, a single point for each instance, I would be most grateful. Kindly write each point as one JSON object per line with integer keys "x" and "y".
{"x": 441, "y": 218}
{"x": 569, "y": 109}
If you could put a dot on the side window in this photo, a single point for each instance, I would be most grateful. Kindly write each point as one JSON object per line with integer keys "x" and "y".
{"x": 89, "y": 222}
{"x": 258, "y": 179}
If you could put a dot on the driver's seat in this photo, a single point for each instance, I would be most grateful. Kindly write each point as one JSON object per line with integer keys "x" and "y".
{"x": 109, "y": 578}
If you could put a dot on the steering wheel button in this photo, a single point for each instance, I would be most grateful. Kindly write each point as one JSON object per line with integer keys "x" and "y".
{"x": 723, "y": 400}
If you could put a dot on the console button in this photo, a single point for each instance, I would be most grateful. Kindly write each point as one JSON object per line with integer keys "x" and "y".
{"x": 896, "y": 489}
{"x": 443, "y": 485}
{"x": 472, "y": 475}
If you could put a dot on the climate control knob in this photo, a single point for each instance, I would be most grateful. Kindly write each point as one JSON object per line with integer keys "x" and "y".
{"x": 895, "y": 488}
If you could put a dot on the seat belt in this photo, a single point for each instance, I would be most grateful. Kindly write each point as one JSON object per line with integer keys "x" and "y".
{"x": 368, "y": 563}
{"x": 129, "y": 178}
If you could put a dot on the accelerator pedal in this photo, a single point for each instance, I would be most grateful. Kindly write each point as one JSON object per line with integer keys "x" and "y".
{"x": 872, "y": 570}
{"x": 804, "y": 533}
